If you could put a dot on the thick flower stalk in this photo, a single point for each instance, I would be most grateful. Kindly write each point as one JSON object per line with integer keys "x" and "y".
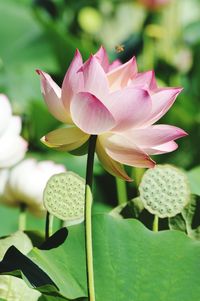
{"x": 116, "y": 103}
{"x": 12, "y": 146}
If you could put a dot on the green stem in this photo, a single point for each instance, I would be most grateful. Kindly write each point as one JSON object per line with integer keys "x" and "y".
{"x": 88, "y": 218}
{"x": 89, "y": 251}
{"x": 137, "y": 174}
{"x": 61, "y": 224}
{"x": 155, "y": 223}
{"x": 22, "y": 217}
{"x": 121, "y": 191}
{"x": 48, "y": 225}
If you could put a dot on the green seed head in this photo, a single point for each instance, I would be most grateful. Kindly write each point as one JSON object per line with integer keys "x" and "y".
{"x": 164, "y": 190}
{"x": 64, "y": 196}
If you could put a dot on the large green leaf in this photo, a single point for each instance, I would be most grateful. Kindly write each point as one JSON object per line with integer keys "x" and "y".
{"x": 131, "y": 263}
{"x": 66, "y": 264}
{"x": 12, "y": 288}
{"x": 189, "y": 219}
{"x": 19, "y": 239}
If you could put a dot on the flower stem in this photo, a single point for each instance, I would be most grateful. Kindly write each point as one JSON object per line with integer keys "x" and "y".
{"x": 155, "y": 223}
{"x": 48, "y": 225}
{"x": 121, "y": 191}
{"x": 22, "y": 217}
{"x": 137, "y": 174}
{"x": 88, "y": 218}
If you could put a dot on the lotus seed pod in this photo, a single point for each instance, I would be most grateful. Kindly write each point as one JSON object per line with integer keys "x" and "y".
{"x": 64, "y": 196}
{"x": 164, "y": 190}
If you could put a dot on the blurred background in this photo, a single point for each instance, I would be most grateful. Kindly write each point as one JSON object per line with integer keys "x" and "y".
{"x": 164, "y": 36}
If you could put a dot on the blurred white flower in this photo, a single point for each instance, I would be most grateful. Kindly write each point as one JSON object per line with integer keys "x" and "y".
{"x": 12, "y": 145}
{"x": 4, "y": 174}
{"x": 25, "y": 183}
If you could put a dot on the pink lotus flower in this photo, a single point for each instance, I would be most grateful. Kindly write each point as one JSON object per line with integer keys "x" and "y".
{"x": 154, "y": 4}
{"x": 12, "y": 146}
{"x": 116, "y": 103}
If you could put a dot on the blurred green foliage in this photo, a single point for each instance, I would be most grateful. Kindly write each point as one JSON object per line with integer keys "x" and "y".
{"x": 45, "y": 33}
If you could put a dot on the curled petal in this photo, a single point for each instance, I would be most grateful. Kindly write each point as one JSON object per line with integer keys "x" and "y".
{"x": 52, "y": 96}
{"x": 113, "y": 167}
{"x": 162, "y": 100}
{"x": 5, "y": 112}
{"x": 154, "y": 135}
{"x": 161, "y": 149}
{"x": 102, "y": 57}
{"x": 118, "y": 78}
{"x": 90, "y": 114}
{"x": 145, "y": 80}
{"x": 122, "y": 150}
{"x": 73, "y": 81}
{"x": 95, "y": 80}
{"x": 66, "y": 139}
{"x": 129, "y": 107}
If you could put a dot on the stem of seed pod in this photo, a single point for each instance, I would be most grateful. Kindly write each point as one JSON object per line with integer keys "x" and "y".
{"x": 48, "y": 225}
{"x": 137, "y": 174}
{"x": 155, "y": 223}
{"x": 61, "y": 224}
{"x": 121, "y": 191}
{"x": 88, "y": 218}
{"x": 22, "y": 217}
